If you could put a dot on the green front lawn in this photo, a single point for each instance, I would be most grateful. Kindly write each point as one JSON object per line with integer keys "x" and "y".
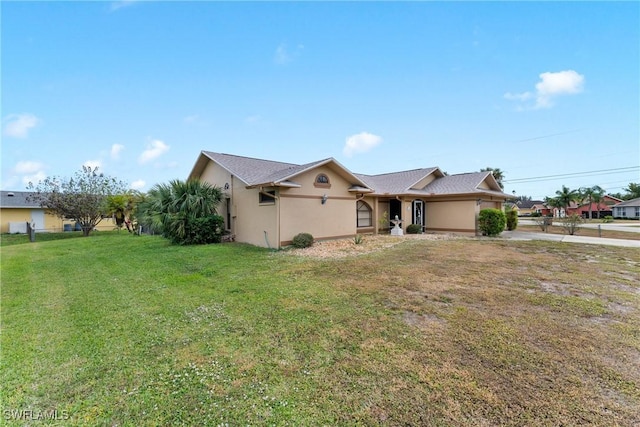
{"x": 116, "y": 329}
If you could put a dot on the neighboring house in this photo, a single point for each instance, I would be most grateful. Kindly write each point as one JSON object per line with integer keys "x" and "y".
{"x": 627, "y": 209}
{"x": 529, "y": 207}
{"x": 16, "y": 210}
{"x": 598, "y": 210}
{"x": 267, "y": 202}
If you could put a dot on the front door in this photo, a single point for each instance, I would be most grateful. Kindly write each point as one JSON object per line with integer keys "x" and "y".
{"x": 395, "y": 208}
{"x": 418, "y": 213}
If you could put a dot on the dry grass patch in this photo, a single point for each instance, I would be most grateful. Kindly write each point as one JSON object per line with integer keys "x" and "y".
{"x": 505, "y": 333}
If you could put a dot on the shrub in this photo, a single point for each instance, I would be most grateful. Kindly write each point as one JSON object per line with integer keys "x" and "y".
{"x": 491, "y": 222}
{"x": 358, "y": 239}
{"x": 302, "y": 240}
{"x": 535, "y": 214}
{"x": 512, "y": 219}
{"x": 608, "y": 218}
{"x": 571, "y": 224}
{"x": 208, "y": 229}
{"x": 414, "y": 229}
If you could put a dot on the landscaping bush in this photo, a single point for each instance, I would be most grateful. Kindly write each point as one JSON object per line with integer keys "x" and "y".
{"x": 571, "y": 224}
{"x": 607, "y": 218}
{"x": 414, "y": 229}
{"x": 302, "y": 240}
{"x": 491, "y": 222}
{"x": 512, "y": 219}
{"x": 198, "y": 231}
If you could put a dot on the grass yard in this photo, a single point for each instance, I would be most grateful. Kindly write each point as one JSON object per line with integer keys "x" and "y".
{"x": 130, "y": 331}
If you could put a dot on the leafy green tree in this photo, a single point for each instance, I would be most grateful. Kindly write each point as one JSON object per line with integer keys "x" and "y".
{"x": 82, "y": 198}
{"x": 554, "y": 202}
{"x": 593, "y": 195}
{"x": 179, "y": 209}
{"x": 497, "y": 174}
{"x": 633, "y": 191}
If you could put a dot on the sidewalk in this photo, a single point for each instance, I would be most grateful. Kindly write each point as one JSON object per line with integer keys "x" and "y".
{"x": 525, "y": 235}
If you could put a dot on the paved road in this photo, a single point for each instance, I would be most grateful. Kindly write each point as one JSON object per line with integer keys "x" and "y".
{"x": 525, "y": 235}
{"x": 628, "y": 227}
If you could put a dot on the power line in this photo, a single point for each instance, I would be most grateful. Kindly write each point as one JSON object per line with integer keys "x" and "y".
{"x": 573, "y": 175}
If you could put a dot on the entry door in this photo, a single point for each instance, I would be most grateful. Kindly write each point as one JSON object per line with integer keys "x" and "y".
{"x": 418, "y": 212}
{"x": 37, "y": 218}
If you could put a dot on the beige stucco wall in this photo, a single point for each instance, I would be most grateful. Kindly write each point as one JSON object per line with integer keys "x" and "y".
{"x": 457, "y": 216}
{"x": 249, "y": 219}
{"x": 301, "y": 209}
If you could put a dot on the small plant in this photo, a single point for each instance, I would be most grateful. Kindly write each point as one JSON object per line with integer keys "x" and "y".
{"x": 302, "y": 240}
{"x": 358, "y": 239}
{"x": 383, "y": 221}
{"x": 512, "y": 219}
{"x": 607, "y": 219}
{"x": 414, "y": 229}
{"x": 571, "y": 224}
{"x": 491, "y": 222}
{"x": 543, "y": 222}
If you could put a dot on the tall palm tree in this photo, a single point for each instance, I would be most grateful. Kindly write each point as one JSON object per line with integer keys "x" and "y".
{"x": 593, "y": 194}
{"x": 497, "y": 174}
{"x": 566, "y": 196}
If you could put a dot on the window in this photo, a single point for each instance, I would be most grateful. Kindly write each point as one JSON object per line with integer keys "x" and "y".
{"x": 322, "y": 180}
{"x": 267, "y": 197}
{"x": 364, "y": 214}
{"x": 637, "y": 211}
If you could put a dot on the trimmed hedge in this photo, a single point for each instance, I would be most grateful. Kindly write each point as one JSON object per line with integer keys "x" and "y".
{"x": 414, "y": 229}
{"x": 302, "y": 240}
{"x": 491, "y": 222}
{"x": 512, "y": 219}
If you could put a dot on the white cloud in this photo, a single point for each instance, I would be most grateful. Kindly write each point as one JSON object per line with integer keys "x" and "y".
{"x": 253, "y": 119}
{"x": 116, "y": 149}
{"x": 19, "y": 125}
{"x": 93, "y": 164}
{"x": 191, "y": 119}
{"x": 360, "y": 143}
{"x": 138, "y": 185}
{"x": 28, "y": 167}
{"x": 28, "y": 171}
{"x": 34, "y": 178}
{"x": 284, "y": 55}
{"x": 117, "y": 5}
{"x": 554, "y": 84}
{"x": 550, "y": 86}
{"x": 155, "y": 149}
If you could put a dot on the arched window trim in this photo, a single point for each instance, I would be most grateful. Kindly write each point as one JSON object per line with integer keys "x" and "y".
{"x": 364, "y": 215}
{"x": 322, "y": 181}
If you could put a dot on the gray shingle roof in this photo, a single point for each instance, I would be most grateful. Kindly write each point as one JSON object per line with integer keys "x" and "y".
{"x": 263, "y": 172}
{"x": 395, "y": 182}
{"x": 631, "y": 203}
{"x": 252, "y": 171}
{"x": 17, "y": 199}
{"x": 463, "y": 183}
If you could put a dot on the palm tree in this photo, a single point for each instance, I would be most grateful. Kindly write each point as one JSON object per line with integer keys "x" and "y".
{"x": 593, "y": 195}
{"x": 566, "y": 196}
{"x": 173, "y": 207}
{"x": 497, "y": 174}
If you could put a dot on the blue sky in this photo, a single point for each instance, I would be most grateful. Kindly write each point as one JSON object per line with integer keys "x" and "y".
{"x": 547, "y": 92}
